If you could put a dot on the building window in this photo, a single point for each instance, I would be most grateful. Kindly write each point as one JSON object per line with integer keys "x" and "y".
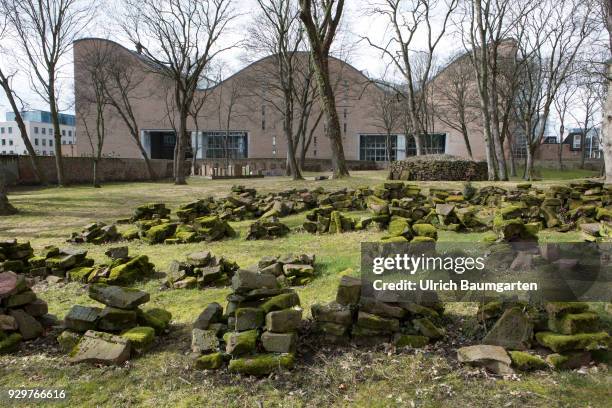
{"x": 219, "y": 145}
{"x": 576, "y": 142}
{"x": 50, "y": 142}
{"x": 36, "y": 142}
{"x": 10, "y": 130}
{"x": 3, "y": 142}
{"x": 314, "y": 153}
{"x": 315, "y": 140}
{"x": 376, "y": 148}
{"x": 35, "y": 130}
{"x": 50, "y": 131}
{"x": 345, "y": 127}
{"x": 43, "y": 131}
{"x": 70, "y": 133}
{"x": 345, "y": 113}
{"x": 63, "y": 132}
{"x": 10, "y": 142}
{"x": 2, "y": 130}
{"x": 44, "y": 142}
{"x": 433, "y": 143}
{"x": 273, "y": 140}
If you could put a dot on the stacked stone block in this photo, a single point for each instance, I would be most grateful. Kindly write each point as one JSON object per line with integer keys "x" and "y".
{"x": 96, "y": 233}
{"x": 256, "y": 334}
{"x": 200, "y": 270}
{"x": 111, "y": 335}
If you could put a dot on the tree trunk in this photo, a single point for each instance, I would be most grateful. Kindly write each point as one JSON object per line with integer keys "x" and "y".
{"x": 5, "y": 206}
{"x": 466, "y": 140}
{"x": 511, "y": 156}
{"x": 333, "y": 131}
{"x": 96, "y": 182}
{"x": 59, "y": 163}
{"x": 4, "y": 82}
{"x": 560, "y": 150}
{"x": 582, "y": 148}
{"x": 179, "y": 176}
{"x": 529, "y": 164}
{"x": 145, "y": 156}
{"x": 607, "y": 127}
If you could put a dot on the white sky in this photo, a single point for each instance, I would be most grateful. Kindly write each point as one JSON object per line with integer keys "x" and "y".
{"x": 357, "y": 23}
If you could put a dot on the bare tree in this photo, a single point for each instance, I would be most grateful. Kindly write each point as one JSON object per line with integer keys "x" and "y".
{"x": 564, "y": 103}
{"x": 455, "y": 96}
{"x": 6, "y": 208}
{"x": 605, "y": 23}
{"x": 556, "y": 32}
{"x": 387, "y": 112}
{"x": 306, "y": 97}
{"x": 179, "y": 38}
{"x": 199, "y": 101}
{"x": 321, "y": 19}
{"x": 93, "y": 78}
{"x": 45, "y": 30}
{"x": 406, "y": 50}
{"x": 588, "y": 100}
{"x": 123, "y": 88}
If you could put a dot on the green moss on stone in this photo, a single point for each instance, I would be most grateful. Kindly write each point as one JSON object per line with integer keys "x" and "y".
{"x": 262, "y": 365}
{"x": 212, "y": 361}
{"x": 583, "y": 341}
{"x": 425, "y": 230}
{"x": 10, "y": 343}
{"x": 141, "y": 337}
{"x": 527, "y": 362}
{"x": 79, "y": 274}
{"x": 158, "y": 319}
{"x": 241, "y": 343}
{"x": 572, "y": 323}
{"x": 280, "y": 302}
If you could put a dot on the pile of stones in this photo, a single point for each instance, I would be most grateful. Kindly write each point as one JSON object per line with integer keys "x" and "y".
{"x": 325, "y": 219}
{"x": 113, "y": 334}
{"x": 122, "y": 269}
{"x": 14, "y": 255}
{"x": 201, "y": 270}
{"x": 96, "y": 233}
{"x": 267, "y": 228}
{"x": 165, "y": 231}
{"x": 22, "y": 315}
{"x": 568, "y": 329}
{"x": 289, "y": 269}
{"x": 437, "y": 167}
{"x": 58, "y": 262}
{"x": 257, "y": 332}
{"x": 151, "y": 211}
{"x": 367, "y": 321}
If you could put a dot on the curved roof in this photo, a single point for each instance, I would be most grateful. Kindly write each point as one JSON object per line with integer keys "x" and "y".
{"x": 149, "y": 63}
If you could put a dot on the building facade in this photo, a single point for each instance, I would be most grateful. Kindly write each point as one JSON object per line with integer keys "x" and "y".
{"x": 40, "y": 131}
{"x": 240, "y": 119}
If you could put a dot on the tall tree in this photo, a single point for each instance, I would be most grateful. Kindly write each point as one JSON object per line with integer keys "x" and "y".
{"x": 386, "y": 115}
{"x": 455, "y": 96}
{"x": 179, "y": 38}
{"x": 6, "y": 82}
{"x": 321, "y": 19}
{"x": 6, "y": 208}
{"x": 410, "y": 22}
{"x": 277, "y": 32}
{"x": 563, "y": 104}
{"x": 124, "y": 88}
{"x": 557, "y": 31}
{"x": 45, "y": 30}
{"x": 93, "y": 77}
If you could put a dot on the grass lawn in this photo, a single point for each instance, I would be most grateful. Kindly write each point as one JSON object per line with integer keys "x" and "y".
{"x": 323, "y": 377}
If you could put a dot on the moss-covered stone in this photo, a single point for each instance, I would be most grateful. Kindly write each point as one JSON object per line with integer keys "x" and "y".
{"x": 141, "y": 337}
{"x": 131, "y": 233}
{"x": 374, "y": 322}
{"x": 10, "y": 343}
{"x": 280, "y": 302}
{"x": 572, "y": 323}
{"x": 212, "y": 361}
{"x": 68, "y": 339}
{"x": 557, "y": 309}
{"x": 158, "y": 233}
{"x": 262, "y": 365}
{"x": 583, "y": 341}
{"x": 425, "y": 230}
{"x": 158, "y": 319}
{"x": 135, "y": 269}
{"x": 427, "y": 328}
{"x": 79, "y": 274}
{"x": 409, "y": 340}
{"x": 242, "y": 343}
{"x": 568, "y": 361}
{"x": 527, "y": 362}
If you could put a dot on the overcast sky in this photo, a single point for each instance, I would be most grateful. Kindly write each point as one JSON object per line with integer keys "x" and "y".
{"x": 357, "y": 24}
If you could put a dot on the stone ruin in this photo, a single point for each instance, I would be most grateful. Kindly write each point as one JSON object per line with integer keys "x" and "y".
{"x": 568, "y": 336}
{"x": 14, "y": 256}
{"x": 96, "y": 233}
{"x": 367, "y": 321}
{"x": 438, "y": 167}
{"x": 201, "y": 270}
{"x": 122, "y": 269}
{"x": 267, "y": 228}
{"x": 22, "y": 315}
{"x": 257, "y": 332}
{"x": 113, "y": 334}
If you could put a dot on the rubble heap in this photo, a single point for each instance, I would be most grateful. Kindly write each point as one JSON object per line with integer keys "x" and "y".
{"x": 267, "y": 228}
{"x": 289, "y": 269}
{"x": 202, "y": 269}
{"x": 367, "y": 321}
{"x": 164, "y": 231}
{"x": 257, "y": 332}
{"x": 22, "y": 315}
{"x": 14, "y": 256}
{"x": 115, "y": 333}
{"x": 123, "y": 269}
{"x": 96, "y": 233}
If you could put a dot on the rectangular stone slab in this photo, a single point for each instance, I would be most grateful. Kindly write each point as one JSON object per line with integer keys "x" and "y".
{"x": 117, "y": 296}
{"x": 101, "y": 348}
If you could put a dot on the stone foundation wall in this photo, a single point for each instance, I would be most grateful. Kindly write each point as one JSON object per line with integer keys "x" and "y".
{"x": 439, "y": 167}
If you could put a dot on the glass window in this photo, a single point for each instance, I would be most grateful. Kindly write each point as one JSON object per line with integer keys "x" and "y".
{"x": 63, "y": 132}
{"x": 70, "y": 133}
{"x": 576, "y": 142}
{"x": 50, "y": 142}
{"x": 10, "y": 142}
{"x": 433, "y": 143}
{"x": 36, "y": 142}
{"x": 36, "y": 130}
{"x": 217, "y": 145}
{"x": 44, "y": 142}
{"x": 3, "y": 142}
{"x": 10, "y": 129}
{"x": 377, "y": 147}
{"x": 2, "y": 130}
{"x": 44, "y": 131}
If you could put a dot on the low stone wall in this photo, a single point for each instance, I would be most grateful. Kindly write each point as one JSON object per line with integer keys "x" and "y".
{"x": 437, "y": 167}
{"x": 278, "y": 166}
{"x": 79, "y": 169}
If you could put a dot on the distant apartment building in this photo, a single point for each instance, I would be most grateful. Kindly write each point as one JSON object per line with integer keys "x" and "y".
{"x": 40, "y": 131}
